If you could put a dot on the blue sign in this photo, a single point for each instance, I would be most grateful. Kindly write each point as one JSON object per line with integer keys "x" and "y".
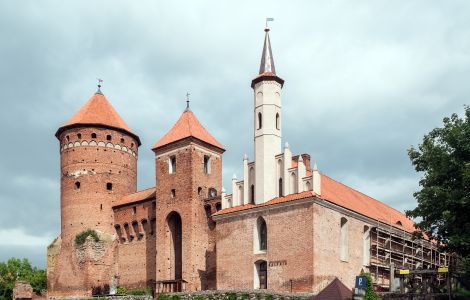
{"x": 361, "y": 282}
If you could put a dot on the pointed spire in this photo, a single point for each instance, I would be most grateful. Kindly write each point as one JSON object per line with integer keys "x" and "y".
{"x": 99, "y": 87}
{"x": 267, "y": 61}
{"x": 187, "y": 102}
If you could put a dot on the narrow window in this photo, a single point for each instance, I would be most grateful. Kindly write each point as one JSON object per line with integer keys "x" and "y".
{"x": 101, "y": 206}
{"x": 122, "y": 141}
{"x": 173, "y": 193}
{"x": 277, "y": 121}
{"x": 308, "y": 186}
{"x": 207, "y": 164}
{"x": 344, "y": 239}
{"x": 260, "y": 120}
{"x": 240, "y": 194}
{"x": 218, "y": 206}
{"x": 154, "y": 206}
{"x": 280, "y": 187}
{"x": 68, "y": 138}
{"x": 77, "y": 185}
{"x": 109, "y": 186}
{"x": 293, "y": 183}
{"x": 366, "y": 246}
{"x": 79, "y": 136}
{"x": 172, "y": 164}
{"x": 252, "y": 193}
{"x": 93, "y": 135}
{"x": 108, "y": 137}
{"x": 132, "y": 145}
{"x": 262, "y": 234}
{"x": 199, "y": 191}
{"x": 134, "y": 210}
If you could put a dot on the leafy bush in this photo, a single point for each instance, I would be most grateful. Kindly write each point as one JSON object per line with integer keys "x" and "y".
{"x": 230, "y": 296}
{"x": 140, "y": 292}
{"x": 20, "y": 269}
{"x": 370, "y": 293}
{"x": 168, "y": 297}
{"x": 121, "y": 290}
{"x": 81, "y": 237}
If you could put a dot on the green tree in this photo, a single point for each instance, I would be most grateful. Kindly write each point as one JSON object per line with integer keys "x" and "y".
{"x": 20, "y": 269}
{"x": 443, "y": 207}
{"x": 370, "y": 293}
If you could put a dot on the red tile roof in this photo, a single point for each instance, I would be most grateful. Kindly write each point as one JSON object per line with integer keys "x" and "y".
{"x": 336, "y": 290}
{"x": 347, "y": 197}
{"x": 344, "y": 196}
{"x": 187, "y": 126}
{"x": 136, "y": 197}
{"x": 98, "y": 111}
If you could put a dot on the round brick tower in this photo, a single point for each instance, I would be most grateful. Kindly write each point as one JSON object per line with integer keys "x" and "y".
{"x": 98, "y": 165}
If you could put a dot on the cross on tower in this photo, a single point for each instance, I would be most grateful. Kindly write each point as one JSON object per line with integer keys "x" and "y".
{"x": 187, "y": 100}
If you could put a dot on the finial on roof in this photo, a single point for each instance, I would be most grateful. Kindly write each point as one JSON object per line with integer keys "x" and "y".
{"x": 267, "y": 61}
{"x": 187, "y": 101}
{"x": 99, "y": 86}
{"x": 315, "y": 167}
{"x": 223, "y": 190}
{"x": 301, "y": 158}
{"x": 234, "y": 176}
{"x": 245, "y": 157}
{"x": 286, "y": 145}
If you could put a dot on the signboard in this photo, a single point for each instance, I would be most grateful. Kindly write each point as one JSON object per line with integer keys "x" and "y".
{"x": 443, "y": 270}
{"x": 404, "y": 272}
{"x": 361, "y": 282}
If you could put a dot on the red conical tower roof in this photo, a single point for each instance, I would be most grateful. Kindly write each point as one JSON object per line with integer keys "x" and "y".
{"x": 187, "y": 126}
{"x": 98, "y": 111}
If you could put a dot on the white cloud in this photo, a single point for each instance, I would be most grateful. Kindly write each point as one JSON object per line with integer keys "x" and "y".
{"x": 17, "y": 237}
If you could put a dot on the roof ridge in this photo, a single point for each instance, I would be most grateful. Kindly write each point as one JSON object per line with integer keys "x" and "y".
{"x": 370, "y": 197}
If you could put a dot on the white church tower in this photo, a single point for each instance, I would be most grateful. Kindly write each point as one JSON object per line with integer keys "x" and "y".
{"x": 267, "y": 88}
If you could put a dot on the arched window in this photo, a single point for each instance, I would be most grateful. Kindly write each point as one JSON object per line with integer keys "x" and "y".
{"x": 366, "y": 246}
{"x": 108, "y": 137}
{"x": 308, "y": 186}
{"x": 280, "y": 187}
{"x": 79, "y": 136}
{"x": 293, "y": 183}
{"x": 212, "y": 193}
{"x": 207, "y": 164}
{"x": 260, "y": 120}
{"x": 77, "y": 185}
{"x": 261, "y": 275}
{"x": 172, "y": 164}
{"x": 252, "y": 193}
{"x": 343, "y": 247}
{"x": 93, "y": 135}
{"x": 240, "y": 194}
{"x": 262, "y": 235}
{"x": 176, "y": 249}
{"x": 277, "y": 121}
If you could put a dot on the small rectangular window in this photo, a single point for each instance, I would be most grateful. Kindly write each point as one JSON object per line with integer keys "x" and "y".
{"x": 109, "y": 186}
{"x": 173, "y": 193}
{"x": 172, "y": 164}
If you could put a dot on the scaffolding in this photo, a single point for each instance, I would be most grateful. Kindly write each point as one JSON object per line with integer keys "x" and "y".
{"x": 391, "y": 247}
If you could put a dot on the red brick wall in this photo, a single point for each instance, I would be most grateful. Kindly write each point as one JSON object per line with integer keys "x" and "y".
{"x": 327, "y": 262}
{"x": 136, "y": 256}
{"x": 198, "y": 246}
{"x": 90, "y": 206}
{"x": 289, "y": 251}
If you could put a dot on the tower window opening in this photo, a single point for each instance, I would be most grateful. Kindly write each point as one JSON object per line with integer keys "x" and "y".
{"x": 93, "y": 135}
{"x": 172, "y": 164}
{"x": 280, "y": 187}
{"x": 109, "y": 186}
{"x": 260, "y": 120}
{"x": 79, "y": 136}
{"x": 218, "y": 206}
{"x": 252, "y": 194}
{"x": 207, "y": 164}
{"x": 134, "y": 210}
{"x": 212, "y": 193}
{"x": 173, "y": 193}
{"x": 68, "y": 138}
{"x": 101, "y": 206}
{"x": 77, "y": 185}
{"x": 122, "y": 141}
{"x": 277, "y": 121}
{"x": 108, "y": 137}
{"x": 132, "y": 145}
{"x": 199, "y": 191}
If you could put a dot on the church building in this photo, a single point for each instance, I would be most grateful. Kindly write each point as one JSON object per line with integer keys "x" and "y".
{"x": 286, "y": 226}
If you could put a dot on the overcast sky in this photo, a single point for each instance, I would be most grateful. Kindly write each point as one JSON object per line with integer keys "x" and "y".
{"x": 365, "y": 80}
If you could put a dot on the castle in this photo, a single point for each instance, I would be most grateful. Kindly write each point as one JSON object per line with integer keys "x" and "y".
{"x": 285, "y": 227}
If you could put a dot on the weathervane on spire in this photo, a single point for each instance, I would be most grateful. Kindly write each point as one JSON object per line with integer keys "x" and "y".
{"x": 187, "y": 101}
{"x": 268, "y": 20}
{"x": 99, "y": 85}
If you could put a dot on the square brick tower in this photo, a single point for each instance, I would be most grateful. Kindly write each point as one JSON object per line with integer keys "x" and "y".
{"x": 189, "y": 182}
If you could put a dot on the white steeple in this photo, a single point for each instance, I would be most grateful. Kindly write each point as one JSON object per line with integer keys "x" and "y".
{"x": 267, "y": 88}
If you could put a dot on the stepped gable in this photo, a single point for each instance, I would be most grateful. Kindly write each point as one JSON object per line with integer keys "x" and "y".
{"x": 144, "y": 195}
{"x": 188, "y": 126}
{"x": 344, "y": 196}
{"x": 98, "y": 111}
